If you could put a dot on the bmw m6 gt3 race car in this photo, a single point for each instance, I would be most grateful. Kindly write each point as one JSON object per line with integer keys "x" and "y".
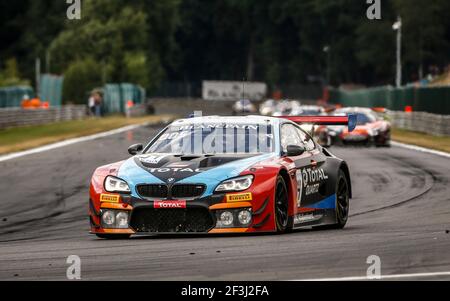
{"x": 223, "y": 175}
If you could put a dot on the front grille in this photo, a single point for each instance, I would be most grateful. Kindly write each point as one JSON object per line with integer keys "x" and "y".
{"x": 187, "y": 191}
{"x": 192, "y": 220}
{"x": 153, "y": 191}
{"x": 178, "y": 191}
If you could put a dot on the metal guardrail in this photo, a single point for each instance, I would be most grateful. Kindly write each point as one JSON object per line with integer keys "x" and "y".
{"x": 12, "y": 117}
{"x": 434, "y": 100}
{"x": 423, "y": 122}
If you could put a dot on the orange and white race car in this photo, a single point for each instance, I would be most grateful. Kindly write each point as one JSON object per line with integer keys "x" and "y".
{"x": 371, "y": 129}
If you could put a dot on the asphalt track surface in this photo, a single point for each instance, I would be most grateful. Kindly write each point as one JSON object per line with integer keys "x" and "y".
{"x": 400, "y": 212}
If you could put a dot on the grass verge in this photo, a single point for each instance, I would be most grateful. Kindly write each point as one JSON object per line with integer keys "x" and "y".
{"x": 22, "y": 138}
{"x": 441, "y": 143}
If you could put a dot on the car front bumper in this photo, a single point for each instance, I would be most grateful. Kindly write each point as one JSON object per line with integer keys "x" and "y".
{"x": 200, "y": 216}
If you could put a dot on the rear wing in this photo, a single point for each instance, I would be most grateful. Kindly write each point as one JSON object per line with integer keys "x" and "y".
{"x": 349, "y": 120}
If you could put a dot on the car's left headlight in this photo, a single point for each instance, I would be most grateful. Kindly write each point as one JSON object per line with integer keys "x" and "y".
{"x": 373, "y": 132}
{"x": 236, "y": 184}
{"x": 113, "y": 184}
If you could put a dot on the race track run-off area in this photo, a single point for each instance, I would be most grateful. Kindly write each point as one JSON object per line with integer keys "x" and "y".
{"x": 400, "y": 212}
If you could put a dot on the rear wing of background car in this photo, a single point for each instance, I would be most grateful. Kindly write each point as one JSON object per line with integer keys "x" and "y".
{"x": 349, "y": 120}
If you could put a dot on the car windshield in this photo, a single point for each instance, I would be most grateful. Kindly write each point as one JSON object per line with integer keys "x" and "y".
{"x": 363, "y": 119}
{"x": 210, "y": 138}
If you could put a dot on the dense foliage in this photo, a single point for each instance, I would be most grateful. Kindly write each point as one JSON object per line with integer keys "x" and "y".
{"x": 150, "y": 41}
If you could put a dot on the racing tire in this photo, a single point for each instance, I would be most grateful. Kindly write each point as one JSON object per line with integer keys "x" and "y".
{"x": 342, "y": 201}
{"x": 113, "y": 236}
{"x": 283, "y": 221}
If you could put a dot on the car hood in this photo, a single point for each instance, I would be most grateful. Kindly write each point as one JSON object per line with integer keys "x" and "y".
{"x": 171, "y": 169}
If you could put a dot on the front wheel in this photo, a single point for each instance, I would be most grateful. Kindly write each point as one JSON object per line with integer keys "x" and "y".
{"x": 283, "y": 222}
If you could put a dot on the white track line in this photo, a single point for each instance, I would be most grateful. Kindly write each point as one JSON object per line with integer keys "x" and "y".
{"x": 383, "y": 277}
{"x": 67, "y": 142}
{"x": 421, "y": 149}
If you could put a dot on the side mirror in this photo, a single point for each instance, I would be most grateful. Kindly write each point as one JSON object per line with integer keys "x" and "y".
{"x": 295, "y": 150}
{"x": 135, "y": 149}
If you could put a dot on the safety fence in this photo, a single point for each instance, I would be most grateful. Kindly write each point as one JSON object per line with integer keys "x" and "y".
{"x": 421, "y": 99}
{"x": 13, "y": 96}
{"x": 423, "y": 122}
{"x": 12, "y": 117}
{"x": 118, "y": 96}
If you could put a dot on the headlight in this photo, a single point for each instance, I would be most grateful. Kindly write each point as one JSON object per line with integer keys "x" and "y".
{"x": 108, "y": 218}
{"x": 115, "y": 219}
{"x": 373, "y": 132}
{"x": 122, "y": 220}
{"x": 236, "y": 184}
{"x": 245, "y": 217}
{"x": 113, "y": 184}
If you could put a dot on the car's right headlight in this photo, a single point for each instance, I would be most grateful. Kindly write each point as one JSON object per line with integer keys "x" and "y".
{"x": 113, "y": 184}
{"x": 236, "y": 184}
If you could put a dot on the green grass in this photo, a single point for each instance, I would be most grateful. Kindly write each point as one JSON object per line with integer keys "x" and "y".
{"x": 22, "y": 138}
{"x": 441, "y": 143}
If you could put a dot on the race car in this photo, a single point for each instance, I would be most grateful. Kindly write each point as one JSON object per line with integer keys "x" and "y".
{"x": 267, "y": 108}
{"x": 210, "y": 175}
{"x": 243, "y": 107}
{"x": 285, "y": 107}
{"x": 371, "y": 129}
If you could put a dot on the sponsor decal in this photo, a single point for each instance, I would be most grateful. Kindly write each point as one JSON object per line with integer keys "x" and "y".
{"x": 311, "y": 176}
{"x": 169, "y": 204}
{"x": 309, "y": 180}
{"x": 305, "y": 218}
{"x": 166, "y": 170}
{"x": 152, "y": 159}
{"x": 109, "y": 198}
{"x": 311, "y": 189}
{"x": 299, "y": 188}
{"x": 240, "y": 197}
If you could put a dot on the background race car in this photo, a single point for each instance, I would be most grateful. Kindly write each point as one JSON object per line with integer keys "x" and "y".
{"x": 371, "y": 129}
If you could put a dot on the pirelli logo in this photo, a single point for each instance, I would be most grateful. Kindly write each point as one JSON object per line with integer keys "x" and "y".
{"x": 241, "y": 197}
{"x": 109, "y": 198}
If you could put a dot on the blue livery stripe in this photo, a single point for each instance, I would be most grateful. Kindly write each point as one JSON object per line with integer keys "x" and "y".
{"x": 328, "y": 203}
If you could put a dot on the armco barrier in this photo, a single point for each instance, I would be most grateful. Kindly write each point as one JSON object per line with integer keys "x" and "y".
{"x": 421, "y": 122}
{"x": 12, "y": 117}
{"x": 422, "y": 99}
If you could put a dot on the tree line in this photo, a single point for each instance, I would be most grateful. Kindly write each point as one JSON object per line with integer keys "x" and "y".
{"x": 148, "y": 42}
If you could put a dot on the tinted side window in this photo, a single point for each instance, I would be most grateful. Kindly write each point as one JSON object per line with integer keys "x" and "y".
{"x": 289, "y": 136}
{"x": 306, "y": 139}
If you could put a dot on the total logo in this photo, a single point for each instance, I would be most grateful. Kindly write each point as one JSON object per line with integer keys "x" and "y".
{"x": 313, "y": 176}
{"x": 169, "y": 204}
{"x": 166, "y": 170}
